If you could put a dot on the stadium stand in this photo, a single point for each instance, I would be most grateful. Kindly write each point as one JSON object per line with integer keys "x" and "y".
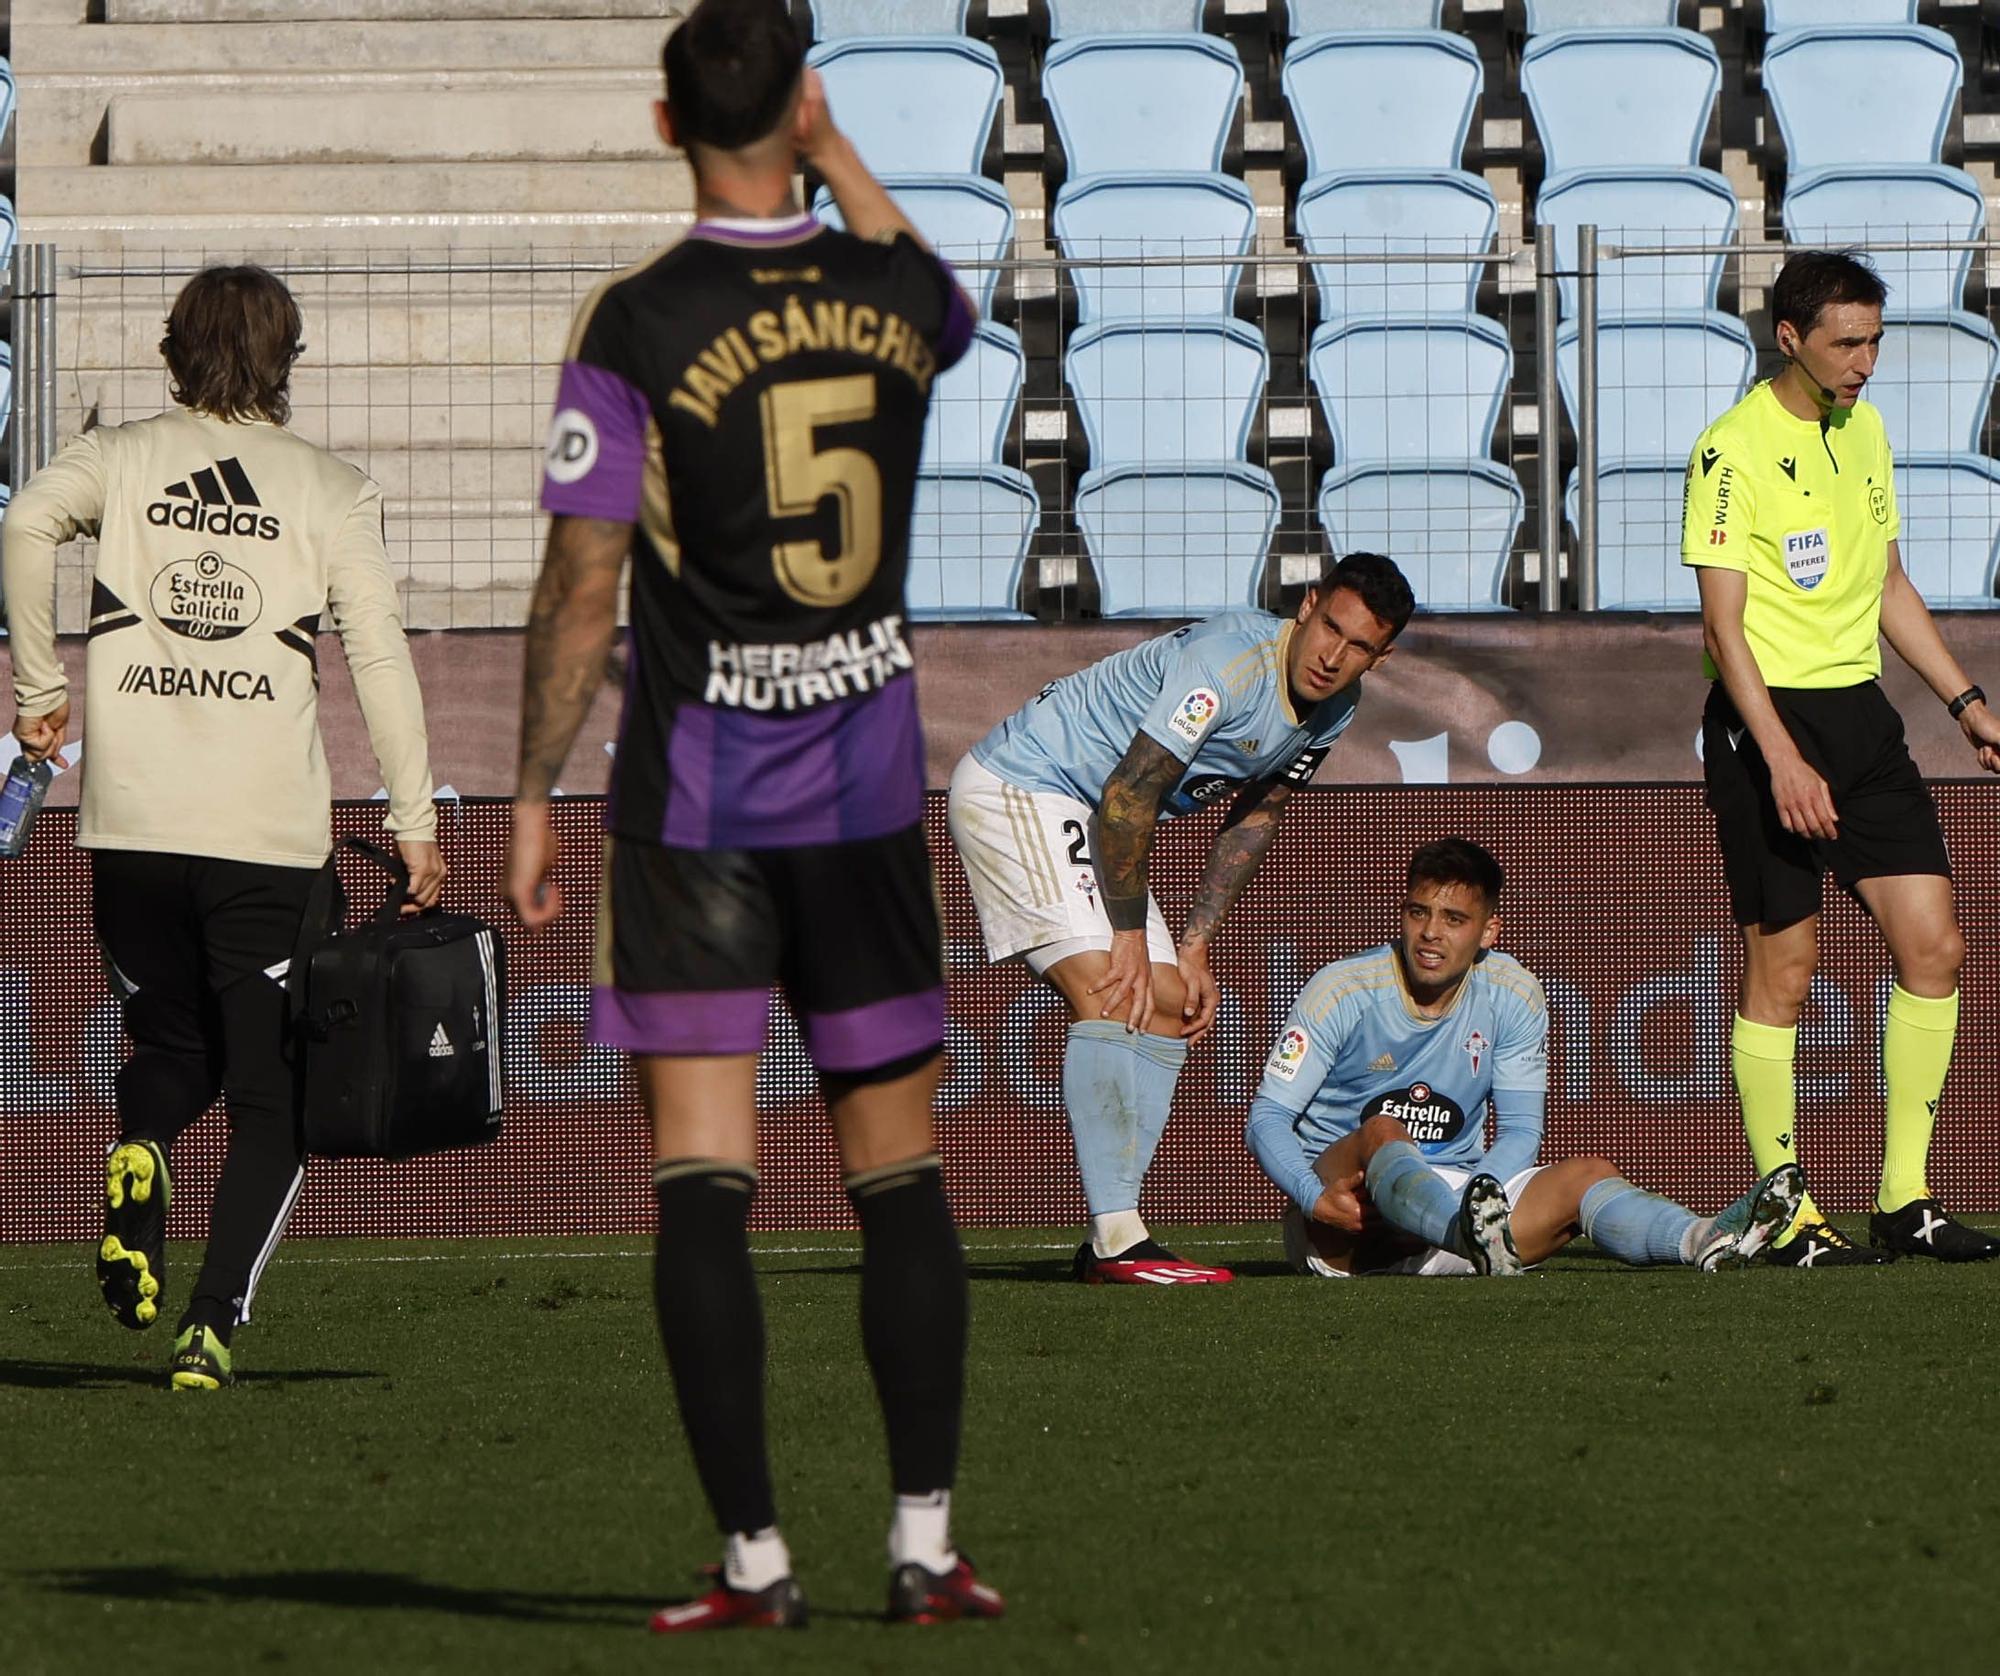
{"x": 833, "y": 19}
{"x": 1151, "y": 102}
{"x": 1620, "y": 96}
{"x": 1149, "y": 396}
{"x": 967, "y": 219}
{"x": 1177, "y": 540}
{"x": 1382, "y": 99}
{"x": 1141, "y": 215}
{"x": 1430, "y": 212}
{"x": 9, "y": 231}
{"x": 1546, "y": 16}
{"x": 1068, "y": 18}
{"x": 1862, "y": 95}
{"x": 913, "y": 103}
{"x": 1659, "y": 382}
{"x": 1310, "y": 17}
{"x": 1934, "y": 383}
{"x": 1633, "y": 208}
{"x": 1856, "y": 203}
{"x": 1421, "y": 388}
{"x": 969, "y": 536}
{"x": 1950, "y": 518}
{"x": 1452, "y": 531}
{"x": 972, "y": 403}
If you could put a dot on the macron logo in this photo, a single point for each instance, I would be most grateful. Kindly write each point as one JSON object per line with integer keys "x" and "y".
{"x": 441, "y": 1047}
{"x": 214, "y": 501}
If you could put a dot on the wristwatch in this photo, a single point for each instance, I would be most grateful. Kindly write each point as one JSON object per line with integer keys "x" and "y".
{"x": 1965, "y": 700}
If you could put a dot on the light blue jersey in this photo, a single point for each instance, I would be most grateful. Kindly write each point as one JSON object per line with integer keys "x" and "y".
{"x": 1354, "y": 1047}
{"x": 1213, "y": 693}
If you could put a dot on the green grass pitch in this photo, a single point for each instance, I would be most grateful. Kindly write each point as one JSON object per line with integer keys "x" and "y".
{"x": 464, "y": 1457}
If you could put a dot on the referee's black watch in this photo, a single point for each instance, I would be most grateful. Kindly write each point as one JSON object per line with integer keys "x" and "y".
{"x": 1965, "y": 701}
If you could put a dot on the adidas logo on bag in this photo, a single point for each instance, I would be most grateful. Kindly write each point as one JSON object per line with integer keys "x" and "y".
{"x": 214, "y": 501}
{"x": 441, "y": 1047}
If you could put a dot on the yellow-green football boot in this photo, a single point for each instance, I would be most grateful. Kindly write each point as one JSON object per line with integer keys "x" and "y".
{"x": 132, "y": 1258}
{"x": 201, "y": 1361}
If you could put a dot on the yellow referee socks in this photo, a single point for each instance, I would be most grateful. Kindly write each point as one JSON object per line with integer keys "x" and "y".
{"x": 1761, "y": 1057}
{"x": 1916, "y": 1053}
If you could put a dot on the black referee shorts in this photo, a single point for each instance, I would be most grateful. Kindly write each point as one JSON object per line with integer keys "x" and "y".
{"x": 1853, "y": 738}
{"x": 691, "y": 942}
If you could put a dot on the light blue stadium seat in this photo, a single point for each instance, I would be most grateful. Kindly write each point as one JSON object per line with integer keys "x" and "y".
{"x": 1124, "y": 102}
{"x": 1178, "y": 540}
{"x": 1415, "y": 389}
{"x": 6, "y": 386}
{"x": 1620, "y": 96}
{"x": 1120, "y": 216}
{"x": 1107, "y": 17}
{"x": 1547, "y": 16}
{"x": 1854, "y": 204}
{"x": 913, "y": 104}
{"x": 972, "y": 403}
{"x": 9, "y": 231}
{"x": 1934, "y": 382}
{"x": 1632, "y": 209}
{"x": 1860, "y": 95}
{"x": 967, "y": 220}
{"x": 1382, "y": 99}
{"x": 1948, "y": 507}
{"x": 1313, "y": 17}
{"x": 1152, "y": 395}
{"x": 1419, "y": 211}
{"x": 6, "y": 97}
{"x": 1450, "y": 529}
{"x": 1659, "y": 382}
{"x": 1639, "y": 538}
{"x": 833, "y": 19}
{"x": 969, "y": 535}
{"x": 1781, "y": 15}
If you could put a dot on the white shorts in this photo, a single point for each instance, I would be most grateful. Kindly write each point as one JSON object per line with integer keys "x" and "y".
{"x": 1027, "y": 861}
{"x": 1433, "y": 1260}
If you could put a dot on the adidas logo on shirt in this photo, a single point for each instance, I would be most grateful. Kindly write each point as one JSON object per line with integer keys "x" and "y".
{"x": 441, "y": 1047}
{"x": 215, "y": 500}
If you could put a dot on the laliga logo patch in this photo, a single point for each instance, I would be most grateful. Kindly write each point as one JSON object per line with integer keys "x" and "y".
{"x": 1807, "y": 555}
{"x": 1196, "y": 711}
{"x": 1431, "y": 1118}
{"x": 1289, "y": 1054}
{"x": 572, "y": 446}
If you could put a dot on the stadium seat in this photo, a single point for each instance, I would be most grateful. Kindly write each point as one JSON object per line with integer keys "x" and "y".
{"x": 1413, "y": 389}
{"x": 1386, "y": 210}
{"x": 1853, "y": 203}
{"x": 1451, "y": 529}
{"x": 1314, "y": 17}
{"x": 913, "y": 104}
{"x": 1206, "y": 216}
{"x": 1659, "y": 382}
{"x": 1152, "y": 395}
{"x": 9, "y": 231}
{"x": 1177, "y": 541}
{"x": 1382, "y": 99}
{"x": 1634, "y": 208}
{"x": 833, "y": 19}
{"x": 972, "y": 403}
{"x": 1546, "y": 16}
{"x": 1639, "y": 538}
{"x": 1781, "y": 15}
{"x": 6, "y": 97}
{"x": 1620, "y": 96}
{"x": 968, "y": 221}
{"x": 969, "y": 535}
{"x": 1108, "y": 17}
{"x": 1934, "y": 383}
{"x": 1859, "y": 95}
{"x": 6, "y": 386}
{"x": 1156, "y": 102}
{"x": 1948, "y": 509}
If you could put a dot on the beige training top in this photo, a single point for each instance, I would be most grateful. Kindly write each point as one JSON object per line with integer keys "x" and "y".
{"x": 220, "y": 544}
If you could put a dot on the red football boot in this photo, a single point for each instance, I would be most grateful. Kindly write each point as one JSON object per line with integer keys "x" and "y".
{"x": 921, "y": 1596}
{"x": 781, "y": 1606}
{"x": 1148, "y": 1263}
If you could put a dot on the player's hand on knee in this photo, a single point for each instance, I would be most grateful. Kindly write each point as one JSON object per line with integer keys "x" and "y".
{"x": 1126, "y": 990}
{"x": 532, "y": 849}
{"x": 425, "y": 862}
{"x": 1340, "y": 1204}
{"x": 1198, "y": 1010}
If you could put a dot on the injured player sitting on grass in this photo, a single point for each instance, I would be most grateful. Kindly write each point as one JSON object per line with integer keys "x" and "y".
{"x": 1371, "y": 1113}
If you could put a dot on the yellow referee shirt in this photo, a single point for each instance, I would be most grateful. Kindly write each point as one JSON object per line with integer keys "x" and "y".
{"x": 1806, "y": 509}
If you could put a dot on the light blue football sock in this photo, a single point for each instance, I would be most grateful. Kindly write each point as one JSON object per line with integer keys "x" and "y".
{"x": 1414, "y": 1196}
{"x": 1636, "y": 1226}
{"x": 1118, "y": 1086}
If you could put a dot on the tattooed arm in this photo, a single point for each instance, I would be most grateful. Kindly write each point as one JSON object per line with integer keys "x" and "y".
{"x": 1121, "y": 837}
{"x": 1239, "y": 849}
{"x": 571, "y": 627}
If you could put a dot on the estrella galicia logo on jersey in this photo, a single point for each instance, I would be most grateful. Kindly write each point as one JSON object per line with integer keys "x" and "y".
{"x": 1289, "y": 1054}
{"x": 1430, "y": 1117}
{"x": 572, "y": 446}
{"x": 1878, "y": 503}
{"x": 215, "y": 500}
{"x": 1807, "y": 555}
{"x": 206, "y": 598}
{"x": 1475, "y": 1046}
{"x": 1708, "y": 458}
{"x": 1194, "y": 715}
{"x": 1305, "y": 765}
{"x": 166, "y": 681}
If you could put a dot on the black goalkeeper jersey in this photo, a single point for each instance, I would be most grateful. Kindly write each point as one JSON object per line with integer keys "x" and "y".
{"x": 753, "y": 401}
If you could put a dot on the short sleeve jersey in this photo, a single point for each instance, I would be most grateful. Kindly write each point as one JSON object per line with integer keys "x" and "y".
{"x": 1354, "y": 1047}
{"x": 1214, "y": 693}
{"x": 1806, "y": 509}
{"x": 753, "y": 400}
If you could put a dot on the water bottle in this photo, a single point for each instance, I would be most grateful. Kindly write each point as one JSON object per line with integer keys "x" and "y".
{"x": 20, "y": 801}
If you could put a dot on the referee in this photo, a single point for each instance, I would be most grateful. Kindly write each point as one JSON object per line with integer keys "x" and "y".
{"x": 221, "y": 538}
{"x": 1790, "y": 520}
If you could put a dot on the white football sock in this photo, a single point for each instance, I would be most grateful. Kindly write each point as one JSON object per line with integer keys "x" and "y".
{"x": 921, "y": 1533}
{"x": 755, "y": 1560}
{"x": 1116, "y": 1231}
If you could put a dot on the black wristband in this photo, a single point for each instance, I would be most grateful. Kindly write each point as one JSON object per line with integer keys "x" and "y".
{"x": 1126, "y": 913}
{"x": 1965, "y": 700}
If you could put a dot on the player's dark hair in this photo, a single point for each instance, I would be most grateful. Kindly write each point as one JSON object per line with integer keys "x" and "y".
{"x": 1812, "y": 280}
{"x": 232, "y": 336}
{"x": 732, "y": 67}
{"x": 1458, "y": 861}
{"x": 1382, "y": 587}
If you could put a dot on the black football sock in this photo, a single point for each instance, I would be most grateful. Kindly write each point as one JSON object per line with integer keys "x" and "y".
{"x": 914, "y": 1311}
{"x": 705, "y": 1293}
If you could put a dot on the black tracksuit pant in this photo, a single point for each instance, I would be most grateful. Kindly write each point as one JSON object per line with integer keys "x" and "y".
{"x": 195, "y": 948}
